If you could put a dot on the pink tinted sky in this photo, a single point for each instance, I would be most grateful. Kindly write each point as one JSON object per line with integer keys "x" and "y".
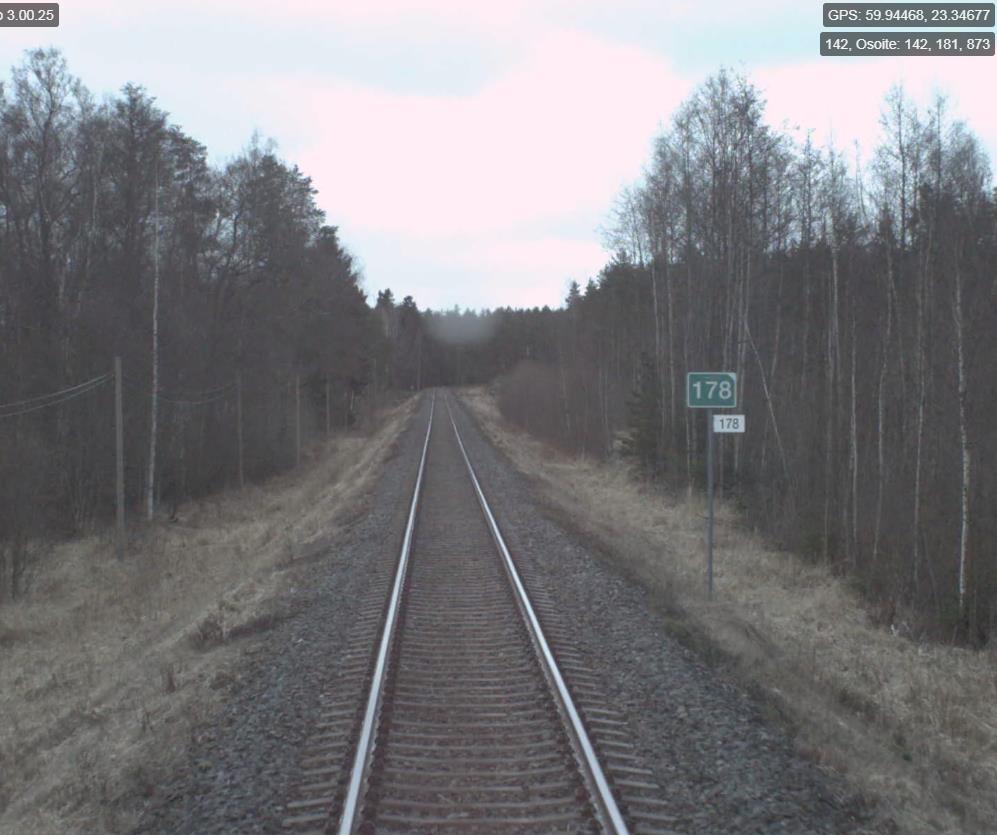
{"x": 470, "y": 152}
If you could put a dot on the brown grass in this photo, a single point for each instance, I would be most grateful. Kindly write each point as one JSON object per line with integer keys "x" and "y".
{"x": 912, "y": 726}
{"x": 107, "y": 668}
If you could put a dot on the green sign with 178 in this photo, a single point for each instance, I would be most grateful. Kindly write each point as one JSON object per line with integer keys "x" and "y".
{"x": 711, "y": 389}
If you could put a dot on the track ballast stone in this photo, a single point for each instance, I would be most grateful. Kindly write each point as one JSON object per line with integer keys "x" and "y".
{"x": 724, "y": 767}
{"x": 242, "y": 765}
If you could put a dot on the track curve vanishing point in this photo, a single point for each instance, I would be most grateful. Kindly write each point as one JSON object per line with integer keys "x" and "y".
{"x": 474, "y": 713}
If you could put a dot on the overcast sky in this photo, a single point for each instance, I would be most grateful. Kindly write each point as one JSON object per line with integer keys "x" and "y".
{"x": 469, "y": 151}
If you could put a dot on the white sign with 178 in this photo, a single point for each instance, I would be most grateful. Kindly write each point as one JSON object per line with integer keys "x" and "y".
{"x": 728, "y": 423}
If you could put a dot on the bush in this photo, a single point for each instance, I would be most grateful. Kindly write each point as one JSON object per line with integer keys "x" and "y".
{"x": 23, "y": 476}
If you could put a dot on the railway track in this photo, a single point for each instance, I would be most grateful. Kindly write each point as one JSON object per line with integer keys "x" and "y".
{"x": 461, "y": 705}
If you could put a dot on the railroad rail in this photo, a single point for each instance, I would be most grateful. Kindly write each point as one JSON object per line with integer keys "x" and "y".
{"x": 474, "y": 712}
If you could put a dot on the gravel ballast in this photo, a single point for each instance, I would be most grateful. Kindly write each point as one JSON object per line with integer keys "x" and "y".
{"x": 723, "y": 767}
{"x": 243, "y": 763}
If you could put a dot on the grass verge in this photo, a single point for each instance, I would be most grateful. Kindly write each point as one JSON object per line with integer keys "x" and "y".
{"x": 912, "y": 726}
{"x": 108, "y": 668}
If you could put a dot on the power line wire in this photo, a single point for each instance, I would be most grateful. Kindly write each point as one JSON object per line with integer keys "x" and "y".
{"x": 216, "y": 399}
{"x": 198, "y": 399}
{"x": 55, "y": 394}
{"x": 96, "y": 383}
{"x": 209, "y": 392}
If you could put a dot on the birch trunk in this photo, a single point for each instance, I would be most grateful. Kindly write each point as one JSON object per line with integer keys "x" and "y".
{"x": 880, "y": 440}
{"x": 832, "y": 367}
{"x": 669, "y": 302}
{"x": 659, "y": 374}
{"x": 855, "y": 454}
{"x": 768, "y": 401}
{"x": 921, "y": 292}
{"x": 963, "y": 442}
{"x": 150, "y": 486}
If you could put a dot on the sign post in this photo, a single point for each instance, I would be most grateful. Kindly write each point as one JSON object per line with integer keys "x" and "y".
{"x": 709, "y": 503}
{"x": 713, "y": 390}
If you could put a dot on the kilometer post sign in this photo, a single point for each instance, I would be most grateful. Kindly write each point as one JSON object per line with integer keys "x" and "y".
{"x": 711, "y": 389}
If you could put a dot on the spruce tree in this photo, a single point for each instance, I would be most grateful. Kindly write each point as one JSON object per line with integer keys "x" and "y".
{"x": 641, "y": 439}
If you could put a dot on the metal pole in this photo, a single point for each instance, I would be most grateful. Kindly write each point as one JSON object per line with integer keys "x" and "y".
{"x": 119, "y": 442}
{"x": 238, "y": 428}
{"x": 709, "y": 499}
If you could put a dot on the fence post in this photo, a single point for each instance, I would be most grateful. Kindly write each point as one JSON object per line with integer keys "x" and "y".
{"x": 373, "y": 393}
{"x": 119, "y": 434}
{"x": 238, "y": 418}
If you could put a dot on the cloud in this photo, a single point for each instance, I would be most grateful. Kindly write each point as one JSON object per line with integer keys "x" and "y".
{"x": 559, "y": 131}
{"x": 533, "y": 271}
{"x": 480, "y": 271}
{"x": 844, "y": 98}
{"x": 507, "y": 17}
{"x": 461, "y": 183}
{"x": 395, "y": 18}
{"x": 469, "y": 151}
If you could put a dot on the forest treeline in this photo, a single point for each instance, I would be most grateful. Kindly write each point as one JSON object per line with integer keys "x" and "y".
{"x": 118, "y": 238}
{"x": 857, "y": 303}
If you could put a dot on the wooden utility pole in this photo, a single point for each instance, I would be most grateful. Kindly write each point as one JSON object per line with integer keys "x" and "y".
{"x": 373, "y": 398}
{"x": 328, "y": 418}
{"x": 297, "y": 420}
{"x": 119, "y": 439}
{"x": 238, "y": 427}
{"x": 418, "y": 372}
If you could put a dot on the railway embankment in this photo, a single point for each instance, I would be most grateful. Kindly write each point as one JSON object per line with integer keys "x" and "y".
{"x": 113, "y": 674}
{"x": 911, "y": 726}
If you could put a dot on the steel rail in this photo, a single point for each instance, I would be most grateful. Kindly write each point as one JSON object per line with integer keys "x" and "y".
{"x": 361, "y": 760}
{"x": 590, "y": 761}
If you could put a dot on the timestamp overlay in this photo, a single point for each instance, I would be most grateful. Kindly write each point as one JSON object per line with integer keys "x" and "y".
{"x": 28, "y": 14}
{"x": 952, "y": 18}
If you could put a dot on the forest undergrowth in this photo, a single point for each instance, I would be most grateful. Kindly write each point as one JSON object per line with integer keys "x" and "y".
{"x": 108, "y": 667}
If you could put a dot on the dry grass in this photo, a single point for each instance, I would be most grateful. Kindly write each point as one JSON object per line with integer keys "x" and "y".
{"x": 913, "y": 726}
{"x": 107, "y": 669}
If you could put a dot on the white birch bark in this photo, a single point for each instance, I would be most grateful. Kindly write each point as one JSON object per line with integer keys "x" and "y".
{"x": 963, "y": 441}
{"x": 150, "y": 486}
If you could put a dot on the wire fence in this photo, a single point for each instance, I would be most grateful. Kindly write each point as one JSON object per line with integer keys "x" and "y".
{"x": 231, "y": 393}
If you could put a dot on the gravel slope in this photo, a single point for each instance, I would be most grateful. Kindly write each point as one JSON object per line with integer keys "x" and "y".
{"x": 724, "y": 766}
{"x": 242, "y": 764}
